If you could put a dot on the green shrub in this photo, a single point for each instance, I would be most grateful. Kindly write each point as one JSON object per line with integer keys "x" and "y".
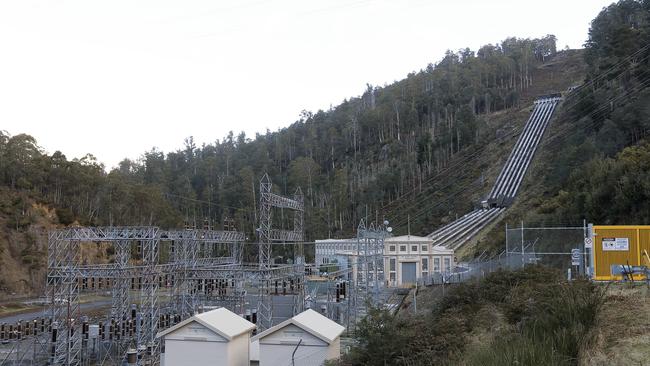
{"x": 66, "y": 217}
{"x": 549, "y": 320}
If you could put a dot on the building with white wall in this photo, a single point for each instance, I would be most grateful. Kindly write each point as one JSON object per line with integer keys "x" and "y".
{"x": 312, "y": 336}
{"x": 327, "y": 249}
{"x": 408, "y": 258}
{"x": 216, "y": 337}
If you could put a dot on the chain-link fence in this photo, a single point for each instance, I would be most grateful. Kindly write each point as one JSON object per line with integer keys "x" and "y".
{"x": 557, "y": 247}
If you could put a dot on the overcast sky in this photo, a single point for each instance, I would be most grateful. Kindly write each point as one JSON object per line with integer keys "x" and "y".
{"x": 116, "y": 78}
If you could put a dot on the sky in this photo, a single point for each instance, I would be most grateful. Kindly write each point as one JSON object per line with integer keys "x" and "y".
{"x": 117, "y": 78}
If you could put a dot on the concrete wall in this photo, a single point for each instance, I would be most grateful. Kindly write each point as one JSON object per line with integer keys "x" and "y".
{"x": 334, "y": 349}
{"x": 276, "y": 348}
{"x": 239, "y": 350}
{"x": 196, "y": 345}
{"x": 417, "y": 258}
{"x": 280, "y": 355}
{"x": 292, "y": 333}
{"x": 183, "y": 353}
{"x": 195, "y": 331}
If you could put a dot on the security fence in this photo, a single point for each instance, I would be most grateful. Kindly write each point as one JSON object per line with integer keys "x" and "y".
{"x": 559, "y": 247}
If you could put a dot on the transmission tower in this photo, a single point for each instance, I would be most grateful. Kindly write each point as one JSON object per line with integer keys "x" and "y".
{"x": 267, "y": 235}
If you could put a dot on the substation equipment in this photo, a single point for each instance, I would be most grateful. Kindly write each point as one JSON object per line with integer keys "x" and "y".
{"x": 159, "y": 278}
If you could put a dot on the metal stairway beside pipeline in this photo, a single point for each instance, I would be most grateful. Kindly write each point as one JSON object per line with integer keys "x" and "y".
{"x": 506, "y": 186}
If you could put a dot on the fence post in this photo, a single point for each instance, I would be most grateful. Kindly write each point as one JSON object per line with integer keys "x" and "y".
{"x": 506, "y": 239}
{"x": 584, "y": 249}
{"x": 523, "y": 261}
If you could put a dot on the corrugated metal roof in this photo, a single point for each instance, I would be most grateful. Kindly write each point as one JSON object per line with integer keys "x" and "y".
{"x": 221, "y": 321}
{"x": 309, "y": 321}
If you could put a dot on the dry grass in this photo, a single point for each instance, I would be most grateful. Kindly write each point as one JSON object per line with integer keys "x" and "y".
{"x": 15, "y": 309}
{"x": 622, "y": 334}
{"x": 489, "y": 322}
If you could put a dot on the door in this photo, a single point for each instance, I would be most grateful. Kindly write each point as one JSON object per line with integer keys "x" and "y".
{"x": 408, "y": 273}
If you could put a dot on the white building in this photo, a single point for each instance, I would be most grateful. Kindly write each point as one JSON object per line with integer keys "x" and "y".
{"x": 216, "y": 337}
{"x": 312, "y": 336}
{"x": 327, "y": 249}
{"x": 408, "y": 258}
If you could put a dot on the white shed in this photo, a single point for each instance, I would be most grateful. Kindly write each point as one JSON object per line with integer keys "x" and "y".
{"x": 319, "y": 339}
{"x": 216, "y": 337}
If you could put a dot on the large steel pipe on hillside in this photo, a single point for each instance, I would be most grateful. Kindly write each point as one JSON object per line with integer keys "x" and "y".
{"x": 521, "y": 153}
{"x": 477, "y": 228}
{"x": 513, "y": 154}
{"x": 529, "y": 158}
{"x": 523, "y": 143}
{"x": 443, "y": 240}
{"x": 462, "y": 236}
{"x": 441, "y": 232}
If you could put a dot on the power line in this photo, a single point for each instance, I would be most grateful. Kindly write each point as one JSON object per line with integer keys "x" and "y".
{"x": 575, "y": 102}
{"x": 561, "y": 136}
{"x": 571, "y": 95}
{"x": 206, "y": 202}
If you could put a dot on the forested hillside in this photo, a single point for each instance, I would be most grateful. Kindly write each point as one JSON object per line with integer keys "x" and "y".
{"x": 368, "y": 156}
{"x": 594, "y": 161}
{"x": 350, "y": 160}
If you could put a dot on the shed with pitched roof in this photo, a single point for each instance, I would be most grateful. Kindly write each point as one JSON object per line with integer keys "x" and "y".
{"x": 312, "y": 336}
{"x": 216, "y": 337}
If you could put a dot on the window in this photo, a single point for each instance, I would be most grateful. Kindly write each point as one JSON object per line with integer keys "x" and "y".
{"x": 425, "y": 248}
{"x": 391, "y": 248}
{"x": 414, "y": 248}
{"x": 402, "y": 248}
{"x": 436, "y": 264}
{"x": 392, "y": 265}
{"x": 447, "y": 264}
{"x": 392, "y": 276}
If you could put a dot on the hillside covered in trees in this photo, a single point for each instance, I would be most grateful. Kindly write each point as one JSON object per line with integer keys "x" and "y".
{"x": 593, "y": 163}
{"x": 350, "y": 160}
{"x": 367, "y": 156}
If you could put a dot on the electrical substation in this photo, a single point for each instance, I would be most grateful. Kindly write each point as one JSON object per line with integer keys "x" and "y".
{"x": 160, "y": 277}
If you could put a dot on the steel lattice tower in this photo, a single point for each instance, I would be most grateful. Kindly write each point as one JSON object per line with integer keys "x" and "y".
{"x": 63, "y": 298}
{"x": 266, "y": 236}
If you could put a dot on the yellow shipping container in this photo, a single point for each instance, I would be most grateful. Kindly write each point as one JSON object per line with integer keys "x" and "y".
{"x": 619, "y": 245}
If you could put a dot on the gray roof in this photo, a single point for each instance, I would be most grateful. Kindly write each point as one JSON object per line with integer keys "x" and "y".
{"x": 309, "y": 321}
